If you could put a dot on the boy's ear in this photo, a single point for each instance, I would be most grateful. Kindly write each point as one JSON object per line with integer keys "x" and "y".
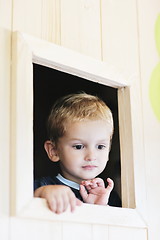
{"x": 51, "y": 151}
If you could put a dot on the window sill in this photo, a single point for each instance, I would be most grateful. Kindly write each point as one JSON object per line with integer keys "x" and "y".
{"x": 91, "y": 214}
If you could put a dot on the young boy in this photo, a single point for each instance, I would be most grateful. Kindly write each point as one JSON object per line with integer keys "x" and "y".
{"x": 80, "y": 129}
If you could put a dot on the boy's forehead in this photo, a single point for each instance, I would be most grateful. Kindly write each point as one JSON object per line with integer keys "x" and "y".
{"x": 99, "y": 127}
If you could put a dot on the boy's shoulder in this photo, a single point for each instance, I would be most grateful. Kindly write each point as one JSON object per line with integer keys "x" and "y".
{"x": 48, "y": 180}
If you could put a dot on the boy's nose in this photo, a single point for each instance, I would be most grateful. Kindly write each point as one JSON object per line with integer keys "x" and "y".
{"x": 90, "y": 156}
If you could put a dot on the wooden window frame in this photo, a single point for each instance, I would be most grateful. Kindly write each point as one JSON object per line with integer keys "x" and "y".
{"x": 27, "y": 50}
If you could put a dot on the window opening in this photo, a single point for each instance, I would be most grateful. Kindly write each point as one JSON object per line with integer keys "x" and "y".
{"x": 50, "y": 84}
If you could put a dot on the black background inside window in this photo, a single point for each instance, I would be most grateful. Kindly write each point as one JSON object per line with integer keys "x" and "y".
{"x": 50, "y": 84}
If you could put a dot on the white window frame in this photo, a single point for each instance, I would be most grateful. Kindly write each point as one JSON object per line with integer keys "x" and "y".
{"x": 27, "y": 50}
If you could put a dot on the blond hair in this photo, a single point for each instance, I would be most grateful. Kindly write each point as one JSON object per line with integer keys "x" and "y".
{"x": 76, "y": 107}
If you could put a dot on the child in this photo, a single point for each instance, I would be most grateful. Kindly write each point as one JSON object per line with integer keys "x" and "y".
{"x": 80, "y": 129}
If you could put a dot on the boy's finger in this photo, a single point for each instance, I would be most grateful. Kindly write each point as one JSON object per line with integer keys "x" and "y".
{"x": 98, "y": 182}
{"x": 87, "y": 184}
{"x": 72, "y": 202}
{"x": 83, "y": 192}
{"x": 110, "y": 184}
{"x": 90, "y": 184}
{"x": 59, "y": 206}
{"x": 65, "y": 203}
{"x": 78, "y": 202}
{"x": 52, "y": 205}
{"x": 75, "y": 202}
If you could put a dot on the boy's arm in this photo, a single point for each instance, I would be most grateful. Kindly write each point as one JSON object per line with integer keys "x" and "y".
{"x": 94, "y": 191}
{"x": 58, "y": 197}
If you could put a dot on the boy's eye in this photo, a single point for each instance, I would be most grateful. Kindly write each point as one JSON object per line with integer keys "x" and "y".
{"x": 78, "y": 146}
{"x": 101, "y": 146}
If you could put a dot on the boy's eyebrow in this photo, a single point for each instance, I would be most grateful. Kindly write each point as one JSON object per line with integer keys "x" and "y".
{"x": 76, "y": 139}
{"x": 99, "y": 140}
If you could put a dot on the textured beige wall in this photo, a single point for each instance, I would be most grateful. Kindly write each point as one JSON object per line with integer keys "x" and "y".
{"x": 5, "y": 54}
{"x": 149, "y": 58}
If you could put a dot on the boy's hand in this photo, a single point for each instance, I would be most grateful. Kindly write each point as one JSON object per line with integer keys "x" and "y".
{"x": 94, "y": 191}
{"x": 58, "y": 197}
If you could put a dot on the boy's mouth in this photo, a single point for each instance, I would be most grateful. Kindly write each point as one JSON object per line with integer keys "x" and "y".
{"x": 89, "y": 167}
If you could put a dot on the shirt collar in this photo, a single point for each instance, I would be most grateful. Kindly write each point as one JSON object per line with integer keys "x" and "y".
{"x": 67, "y": 182}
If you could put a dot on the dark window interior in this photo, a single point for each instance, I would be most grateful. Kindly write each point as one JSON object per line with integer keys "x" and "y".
{"x": 50, "y": 84}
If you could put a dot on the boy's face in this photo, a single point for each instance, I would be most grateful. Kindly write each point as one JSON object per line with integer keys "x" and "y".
{"x": 83, "y": 150}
